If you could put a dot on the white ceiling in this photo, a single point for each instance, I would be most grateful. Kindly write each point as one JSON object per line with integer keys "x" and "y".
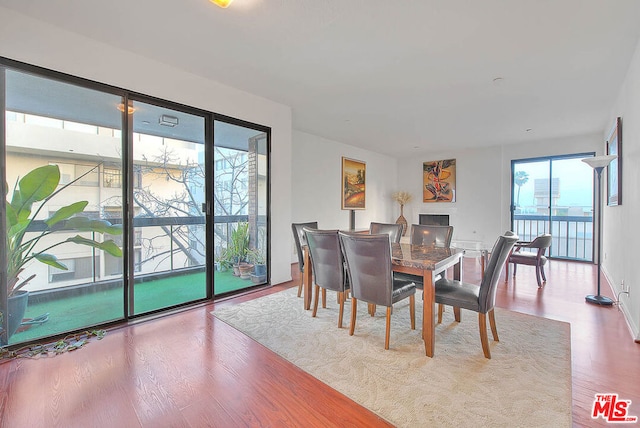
{"x": 396, "y": 77}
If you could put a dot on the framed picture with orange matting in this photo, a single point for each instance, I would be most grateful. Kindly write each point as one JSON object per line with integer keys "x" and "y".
{"x": 354, "y": 184}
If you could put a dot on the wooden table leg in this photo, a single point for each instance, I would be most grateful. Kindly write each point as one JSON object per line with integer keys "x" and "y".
{"x": 307, "y": 278}
{"x": 429, "y": 302}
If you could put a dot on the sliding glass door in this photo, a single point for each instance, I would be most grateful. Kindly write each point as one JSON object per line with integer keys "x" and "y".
{"x": 168, "y": 188}
{"x": 240, "y": 205}
{"x": 555, "y": 195}
{"x": 62, "y": 144}
{"x": 119, "y": 204}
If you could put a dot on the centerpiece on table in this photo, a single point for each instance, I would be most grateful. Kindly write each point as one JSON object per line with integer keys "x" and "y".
{"x": 402, "y": 198}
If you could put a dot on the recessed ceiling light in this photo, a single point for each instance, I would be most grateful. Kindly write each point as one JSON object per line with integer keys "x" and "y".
{"x": 498, "y": 81}
{"x": 528, "y": 130}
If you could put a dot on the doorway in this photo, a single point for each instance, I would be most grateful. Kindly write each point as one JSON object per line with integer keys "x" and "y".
{"x": 554, "y": 195}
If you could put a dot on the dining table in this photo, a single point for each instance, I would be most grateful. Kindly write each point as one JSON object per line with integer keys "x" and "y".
{"x": 421, "y": 260}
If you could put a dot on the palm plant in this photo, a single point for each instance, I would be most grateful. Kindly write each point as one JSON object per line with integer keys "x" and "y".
{"x": 520, "y": 178}
{"x": 41, "y": 185}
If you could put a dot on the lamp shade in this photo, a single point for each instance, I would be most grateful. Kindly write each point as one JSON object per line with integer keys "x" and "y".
{"x": 599, "y": 161}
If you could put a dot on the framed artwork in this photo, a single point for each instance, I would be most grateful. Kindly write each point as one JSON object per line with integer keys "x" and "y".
{"x": 354, "y": 184}
{"x": 439, "y": 181}
{"x": 614, "y": 170}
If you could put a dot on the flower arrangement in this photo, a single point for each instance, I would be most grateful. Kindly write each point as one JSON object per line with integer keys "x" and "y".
{"x": 402, "y": 197}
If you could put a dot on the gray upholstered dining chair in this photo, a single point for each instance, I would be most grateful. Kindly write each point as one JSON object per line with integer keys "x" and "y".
{"x": 535, "y": 258}
{"x": 392, "y": 229}
{"x": 328, "y": 266}
{"x": 478, "y": 298}
{"x": 300, "y": 240}
{"x": 368, "y": 260}
{"x": 431, "y": 235}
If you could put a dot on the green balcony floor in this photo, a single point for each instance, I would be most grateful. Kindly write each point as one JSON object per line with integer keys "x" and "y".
{"x": 93, "y": 308}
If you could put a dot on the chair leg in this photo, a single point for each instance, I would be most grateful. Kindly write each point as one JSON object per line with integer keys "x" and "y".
{"x": 482, "y": 324}
{"x": 456, "y": 313}
{"x": 324, "y": 298}
{"x": 544, "y": 278}
{"x": 372, "y": 309}
{"x": 341, "y": 301}
{"x": 538, "y": 277}
{"x": 300, "y": 286}
{"x": 354, "y": 311}
{"x": 492, "y": 323}
{"x": 412, "y": 308}
{"x": 315, "y": 301}
{"x": 388, "y": 332}
{"x": 515, "y": 266}
{"x": 440, "y": 311}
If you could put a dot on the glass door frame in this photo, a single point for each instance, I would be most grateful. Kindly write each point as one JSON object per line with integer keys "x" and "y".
{"x": 550, "y": 219}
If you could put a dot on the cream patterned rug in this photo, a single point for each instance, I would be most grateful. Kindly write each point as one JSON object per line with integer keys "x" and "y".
{"x": 526, "y": 383}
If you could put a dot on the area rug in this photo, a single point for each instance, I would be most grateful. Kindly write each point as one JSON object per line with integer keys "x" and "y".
{"x": 526, "y": 383}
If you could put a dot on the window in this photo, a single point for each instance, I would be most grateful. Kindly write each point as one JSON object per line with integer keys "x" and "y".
{"x": 111, "y": 177}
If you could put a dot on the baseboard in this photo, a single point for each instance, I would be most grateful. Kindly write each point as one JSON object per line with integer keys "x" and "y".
{"x": 622, "y": 307}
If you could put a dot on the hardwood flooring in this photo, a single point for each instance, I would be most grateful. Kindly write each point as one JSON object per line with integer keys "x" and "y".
{"x": 190, "y": 370}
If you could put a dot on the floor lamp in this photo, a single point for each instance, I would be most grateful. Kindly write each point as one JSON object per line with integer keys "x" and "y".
{"x": 598, "y": 163}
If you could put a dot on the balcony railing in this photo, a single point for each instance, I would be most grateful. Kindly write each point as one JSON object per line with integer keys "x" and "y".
{"x": 175, "y": 254}
{"x": 572, "y": 235}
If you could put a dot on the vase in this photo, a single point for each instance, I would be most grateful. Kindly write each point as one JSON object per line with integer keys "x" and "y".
{"x": 401, "y": 220}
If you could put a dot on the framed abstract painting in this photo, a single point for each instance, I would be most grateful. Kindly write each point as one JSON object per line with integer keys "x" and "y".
{"x": 354, "y": 184}
{"x": 439, "y": 181}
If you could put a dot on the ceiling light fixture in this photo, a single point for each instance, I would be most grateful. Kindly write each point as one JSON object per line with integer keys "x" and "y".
{"x": 167, "y": 120}
{"x": 222, "y": 3}
{"x": 130, "y": 108}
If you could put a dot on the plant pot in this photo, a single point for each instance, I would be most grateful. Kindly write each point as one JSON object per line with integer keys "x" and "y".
{"x": 16, "y": 307}
{"x": 245, "y": 270}
{"x": 260, "y": 270}
{"x": 236, "y": 270}
{"x": 259, "y": 279}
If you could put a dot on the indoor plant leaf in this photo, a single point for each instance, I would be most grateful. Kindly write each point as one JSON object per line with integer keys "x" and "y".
{"x": 85, "y": 224}
{"x": 66, "y": 212}
{"x": 36, "y": 186}
{"x": 51, "y": 260}
{"x": 109, "y": 246}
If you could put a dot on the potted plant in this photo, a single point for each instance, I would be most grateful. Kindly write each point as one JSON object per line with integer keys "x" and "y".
{"x": 239, "y": 245}
{"x": 258, "y": 257}
{"x": 41, "y": 185}
{"x": 223, "y": 260}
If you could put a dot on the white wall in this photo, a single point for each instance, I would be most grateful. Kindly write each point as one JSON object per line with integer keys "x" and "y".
{"x": 34, "y": 42}
{"x": 479, "y": 199}
{"x": 621, "y": 229}
{"x": 483, "y": 184}
{"x": 316, "y": 188}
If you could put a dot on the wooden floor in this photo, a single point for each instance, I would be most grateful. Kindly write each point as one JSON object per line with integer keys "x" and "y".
{"x": 191, "y": 370}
